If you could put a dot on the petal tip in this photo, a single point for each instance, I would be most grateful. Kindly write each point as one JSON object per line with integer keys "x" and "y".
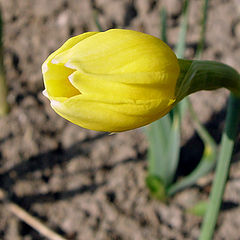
{"x": 70, "y": 78}
{"x": 55, "y": 104}
{"x": 45, "y": 93}
{"x": 54, "y": 61}
{"x": 44, "y": 68}
{"x": 69, "y": 65}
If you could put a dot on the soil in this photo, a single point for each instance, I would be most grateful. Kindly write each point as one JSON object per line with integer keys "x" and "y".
{"x": 90, "y": 185}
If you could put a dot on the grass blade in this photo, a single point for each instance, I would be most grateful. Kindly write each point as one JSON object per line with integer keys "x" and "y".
{"x": 96, "y": 20}
{"x": 157, "y": 134}
{"x": 203, "y": 31}
{"x": 173, "y": 148}
{"x": 163, "y": 15}
{"x": 181, "y": 45}
{"x": 207, "y": 161}
{"x": 4, "y": 108}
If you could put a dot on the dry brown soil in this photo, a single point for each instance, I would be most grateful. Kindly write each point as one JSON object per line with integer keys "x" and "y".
{"x": 88, "y": 185}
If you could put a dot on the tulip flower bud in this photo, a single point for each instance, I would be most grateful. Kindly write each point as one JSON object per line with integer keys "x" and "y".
{"x": 111, "y": 81}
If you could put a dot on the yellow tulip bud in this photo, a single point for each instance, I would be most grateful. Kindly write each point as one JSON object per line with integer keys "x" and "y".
{"x": 111, "y": 81}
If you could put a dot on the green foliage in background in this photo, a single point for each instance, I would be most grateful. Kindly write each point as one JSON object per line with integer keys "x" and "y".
{"x": 164, "y": 134}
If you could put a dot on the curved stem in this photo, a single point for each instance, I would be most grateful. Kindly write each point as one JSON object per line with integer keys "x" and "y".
{"x": 227, "y": 143}
{"x": 205, "y": 75}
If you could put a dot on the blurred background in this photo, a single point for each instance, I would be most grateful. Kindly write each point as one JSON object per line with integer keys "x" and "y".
{"x": 90, "y": 185}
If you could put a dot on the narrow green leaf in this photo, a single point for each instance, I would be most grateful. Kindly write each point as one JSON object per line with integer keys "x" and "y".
{"x": 200, "y": 46}
{"x": 206, "y": 164}
{"x": 222, "y": 170}
{"x": 163, "y": 15}
{"x": 96, "y": 20}
{"x": 173, "y": 148}
{"x": 181, "y": 45}
{"x": 4, "y": 107}
{"x": 207, "y": 161}
{"x": 157, "y": 133}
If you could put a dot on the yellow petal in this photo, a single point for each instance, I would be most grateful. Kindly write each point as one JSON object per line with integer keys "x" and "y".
{"x": 147, "y": 85}
{"x": 109, "y": 114}
{"x": 56, "y": 75}
{"x": 112, "y": 81}
{"x": 120, "y": 51}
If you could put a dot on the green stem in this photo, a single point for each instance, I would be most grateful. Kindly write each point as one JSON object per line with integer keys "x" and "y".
{"x": 205, "y": 75}
{"x": 227, "y": 143}
{"x": 163, "y": 22}
{"x": 3, "y": 86}
{"x": 3, "y": 95}
{"x": 181, "y": 45}
{"x": 203, "y": 31}
{"x": 96, "y": 19}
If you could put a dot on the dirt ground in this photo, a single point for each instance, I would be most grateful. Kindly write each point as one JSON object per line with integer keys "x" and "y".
{"x": 90, "y": 185}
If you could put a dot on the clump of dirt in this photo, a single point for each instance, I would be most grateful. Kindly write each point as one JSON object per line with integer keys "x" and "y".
{"x": 90, "y": 185}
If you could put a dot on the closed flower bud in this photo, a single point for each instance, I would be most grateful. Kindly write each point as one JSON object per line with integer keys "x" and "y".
{"x": 111, "y": 81}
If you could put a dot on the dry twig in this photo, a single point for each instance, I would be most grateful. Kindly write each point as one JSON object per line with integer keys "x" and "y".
{"x": 28, "y": 219}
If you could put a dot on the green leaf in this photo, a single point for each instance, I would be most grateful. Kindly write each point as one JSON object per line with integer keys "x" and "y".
{"x": 222, "y": 170}
{"x": 173, "y": 148}
{"x": 96, "y": 20}
{"x": 157, "y": 134}
{"x": 163, "y": 15}
{"x": 207, "y": 161}
{"x": 203, "y": 31}
{"x": 4, "y": 107}
{"x": 181, "y": 45}
{"x": 156, "y": 187}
